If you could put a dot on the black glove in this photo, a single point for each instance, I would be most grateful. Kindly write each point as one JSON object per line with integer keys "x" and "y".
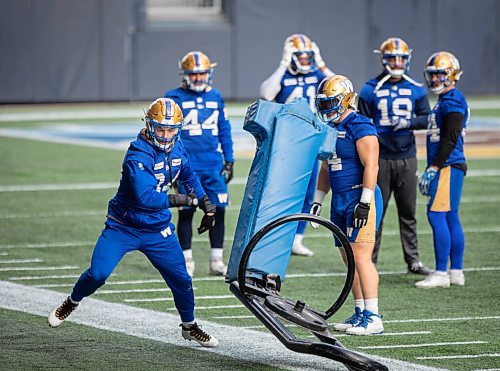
{"x": 179, "y": 200}
{"x": 227, "y": 171}
{"x": 361, "y": 211}
{"x": 208, "y": 220}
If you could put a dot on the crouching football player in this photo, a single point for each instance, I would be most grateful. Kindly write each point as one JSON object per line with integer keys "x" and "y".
{"x": 139, "y": 217}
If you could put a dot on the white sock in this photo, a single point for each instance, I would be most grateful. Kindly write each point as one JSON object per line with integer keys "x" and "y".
{"x": 372, "y": 305}
{"x": 359, "y": 303}
{"x": 441, "y": 273}
{"x": 73, "y": 301}
{"x": 188, "y": 254}
{"x": 216, "y": 254}
{"x": 298, "y": 239}
{"x": 187, "y": 324}
{"x": 456, "y": 271}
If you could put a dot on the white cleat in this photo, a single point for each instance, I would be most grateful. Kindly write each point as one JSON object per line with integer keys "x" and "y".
{"x": 217, "y": 267}
{"x": 436, "y": 279}
{"x": 194, "y": 332}
{"x": 298, "y": 248}
{"x": 457, "y": 277}
{"x": 58, "y": 315}
{"x": 371, "y": 324}
{"x": 350, "y": 322}
{"x": 190, "y": 266}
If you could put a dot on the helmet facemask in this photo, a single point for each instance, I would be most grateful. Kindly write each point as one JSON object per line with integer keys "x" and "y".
{"x": 197, "y": 84}
{"x": 396, "y": 64}
{"x": 298, "y": 67}
{"x": 329, "y": 108}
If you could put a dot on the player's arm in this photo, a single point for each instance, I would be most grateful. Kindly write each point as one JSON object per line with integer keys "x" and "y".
{"x": 450, "y": 132}
{"x": 322, "y": 189}
{"x": 271, "y": 86}
{"x": 364, "y": 102}
{"x": 422, "y": 112}
{"x": 367, "y": 148}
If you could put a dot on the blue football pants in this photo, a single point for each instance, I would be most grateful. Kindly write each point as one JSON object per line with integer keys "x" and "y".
{"x": 161, "y": 248}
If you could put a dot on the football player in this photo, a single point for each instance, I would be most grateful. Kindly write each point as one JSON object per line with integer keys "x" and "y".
{"x": 300, "y": 71}
{"x": 351, "y": 174}
{"x": 206, "y": 136}
{"x": 443, "y": 179}
{"x": 397, "y": 104}
{"x": 139, "y": 217}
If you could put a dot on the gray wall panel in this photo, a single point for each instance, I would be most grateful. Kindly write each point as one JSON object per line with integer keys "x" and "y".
{"x": 116, "y": 26}
{"x": 73, "y": 50}
{"x": 409, "y": 20}
{"x": 16, "y": 51}
{"x": 470, "y": 32}
{"x": 158, "y": 54}
{"x": 65, "y": 56}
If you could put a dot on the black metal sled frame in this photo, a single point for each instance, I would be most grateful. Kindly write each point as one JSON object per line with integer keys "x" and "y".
{"x": 261, "y": 296}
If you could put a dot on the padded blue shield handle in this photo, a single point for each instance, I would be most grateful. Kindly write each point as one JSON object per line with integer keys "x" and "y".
{"x": 290, "y": 138}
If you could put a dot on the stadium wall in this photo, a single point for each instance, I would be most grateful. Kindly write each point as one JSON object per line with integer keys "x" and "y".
{"x": 104, "y": 50}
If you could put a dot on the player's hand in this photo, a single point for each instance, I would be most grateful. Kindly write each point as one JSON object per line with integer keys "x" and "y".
{"x": 288, "y": 49}
{"x": 227, "y": 171}
{"x": 179, "y": 200}
{"x": 399, "y": 123}
{"x": 315, "y": 210}
{"x": 208, "y": 220}
{"x": 425, "y": 180}
{"x": 361, "y": 212}
{"x": 318, "y": 60}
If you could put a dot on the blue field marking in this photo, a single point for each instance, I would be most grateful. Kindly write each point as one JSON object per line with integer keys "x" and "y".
{"x": 115, "y": 135}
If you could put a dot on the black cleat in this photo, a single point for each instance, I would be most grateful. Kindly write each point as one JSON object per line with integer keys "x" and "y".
{"x": 418, "y": 268}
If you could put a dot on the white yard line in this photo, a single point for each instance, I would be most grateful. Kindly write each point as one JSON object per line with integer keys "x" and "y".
{"x": 211, "y": 307}
{"x": 488, "y": 229}
{"x": 4, "y": 253}
{"x": 53, "y": 268}
{"x": 398, "y": 346}
{"x": 114, "y": 185}
{"x": 406, "y": 333}
{"x": 50, "y": 277}
{"x": 464, "y": 356}
{"x": 442, "y": 319}
{"x": 131, "y": 291}
{"x": 17, "y": 261}
{"x": 207, "y": 297}
{"x": 102, "y": 213}
{"x": 200, "y": 279}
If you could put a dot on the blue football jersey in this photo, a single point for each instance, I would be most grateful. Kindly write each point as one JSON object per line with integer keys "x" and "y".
{"x": 344, "y": 167}
{"x": 394, "y": 99}
{"x": 206, "y": 133}
{"x": 299, "y": 85}
{"x": 451, "y": 101}
{"x": 147, "y": 175}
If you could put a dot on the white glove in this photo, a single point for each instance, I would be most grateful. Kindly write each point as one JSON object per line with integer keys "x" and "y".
{"x": 315, "y": 210}
{"x": 399, "y": 123}
{"x": 318, "y": 60}
{"x": 286, "y": 58}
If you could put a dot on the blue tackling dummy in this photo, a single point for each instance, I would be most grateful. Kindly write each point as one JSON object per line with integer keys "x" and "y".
{"x": 290, "y": 139}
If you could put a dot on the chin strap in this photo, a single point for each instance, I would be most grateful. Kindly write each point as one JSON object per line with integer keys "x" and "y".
{"x": 384, "y": 79}
{"x": 381, "y": 82}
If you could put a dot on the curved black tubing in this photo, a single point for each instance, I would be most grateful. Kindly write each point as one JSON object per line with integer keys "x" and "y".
{"x": 309, "y": 218}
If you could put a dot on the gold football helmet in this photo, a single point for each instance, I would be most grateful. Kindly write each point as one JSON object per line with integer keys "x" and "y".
{"x": 335, "y": 95}
{"x": 441, "y": 71}
{"x": 302, "y": 53}
{"x": 395, "y": 56}
{"x": 164, "y": 114}
{"x": 197, "y": 71}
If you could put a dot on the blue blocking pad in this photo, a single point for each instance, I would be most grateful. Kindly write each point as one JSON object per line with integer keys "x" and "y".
{"x": 290, "y": 138}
